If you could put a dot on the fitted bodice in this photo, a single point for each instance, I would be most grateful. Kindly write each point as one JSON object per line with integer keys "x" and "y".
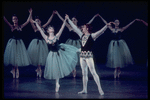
{"x": 53, "y": 46}
{"x": 17, "y": 33}
{"x": 116, "y": 35}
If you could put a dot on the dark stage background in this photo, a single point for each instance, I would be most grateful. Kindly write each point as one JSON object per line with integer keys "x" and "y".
{"x": 136, "y": 36}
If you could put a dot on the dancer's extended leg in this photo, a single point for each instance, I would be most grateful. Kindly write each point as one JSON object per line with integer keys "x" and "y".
{"x": 84, "y": 68}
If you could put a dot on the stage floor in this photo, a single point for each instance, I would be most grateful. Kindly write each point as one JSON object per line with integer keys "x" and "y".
{"x": 133, "y": 83}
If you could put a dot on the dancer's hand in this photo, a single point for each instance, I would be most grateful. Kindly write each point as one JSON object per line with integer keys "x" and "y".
{"x": 67, "y": 17}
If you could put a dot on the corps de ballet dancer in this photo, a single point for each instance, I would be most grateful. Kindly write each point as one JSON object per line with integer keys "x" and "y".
{"x": 61, "y": 59}
{"x": 38, "y": 49}
{"x": 86, "y": 56}
{"x": 118, "y": 55}
{"x": 15, "y": 52}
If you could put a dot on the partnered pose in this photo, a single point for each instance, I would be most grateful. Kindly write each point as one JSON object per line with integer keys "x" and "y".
{"x": 61, "y": 59}
{"x": 15, "y": 52}
{"x": 86, "y": 56}
{"x": 38, "y": 49}
{"x": 119, "y": 54}
{"x": 74, "y": 39}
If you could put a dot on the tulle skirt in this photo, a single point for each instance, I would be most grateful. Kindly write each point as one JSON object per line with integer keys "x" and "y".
{"x": 118, "y": 54}
{"x": 61, "y": 63}
{"x": 38, "y": 51}
{"x": 76, "y": 43}
{"x": 16, "y": 54}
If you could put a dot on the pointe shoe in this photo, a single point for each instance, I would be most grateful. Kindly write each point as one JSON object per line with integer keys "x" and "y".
{"x": 40, "y": 73}
{"x": 13, "y": 73}
{"x": 115, "y": 75}
{"x": 74, "y": 73}
{"x": 119, "y": 74}
{"x": 37, "y": 73}
{"x": 17, "y": 73}
{"x": 82, "y": 92}
{"x": 57, "y": 88}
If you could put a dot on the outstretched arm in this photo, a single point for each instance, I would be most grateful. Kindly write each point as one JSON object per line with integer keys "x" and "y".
{"x": 28, "y": 20}
{"x": 11, "y": 26}
{"x": 92, "y": 19}
{"x": 49, "y": 20}
{"x": 32, "y": 24}
{"x": 125, "y": 27}
{"x": 41, "y": 31}
{"x": 67, "y": 25}
{"x": 76, "y": 29}
{"x": 144, "y": 22}
{"x": 61, "y": 29}
{"x": 98, "y": 33}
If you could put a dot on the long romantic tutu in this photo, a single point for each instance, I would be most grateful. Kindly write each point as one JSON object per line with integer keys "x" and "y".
{"x": 38, "y": 51}
{"x": 118, "y": 54}
{"x": 61, "y": 63}
{"x": 16, "y": 54}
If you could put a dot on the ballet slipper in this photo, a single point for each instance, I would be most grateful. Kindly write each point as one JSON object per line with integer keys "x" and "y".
{"x": 37, "y": 73}
{"x": 82, "y": 92}
{"x": 101, "y": 92}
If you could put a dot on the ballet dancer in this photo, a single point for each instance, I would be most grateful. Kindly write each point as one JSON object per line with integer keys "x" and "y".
{"x": 38, "y": 49}
{"x": 74, "y": 39}
{"x": 62, "y": 58}
{"x": 118, "y": 55}
{"x": 15, "y": 52}
{"x": 86, "y": 56}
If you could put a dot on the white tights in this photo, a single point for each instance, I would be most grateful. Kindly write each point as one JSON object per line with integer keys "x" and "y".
{"x": 85, "y": 63}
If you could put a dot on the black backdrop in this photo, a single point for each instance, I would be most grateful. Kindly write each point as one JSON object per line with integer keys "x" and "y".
{"x": 136, "y": 36}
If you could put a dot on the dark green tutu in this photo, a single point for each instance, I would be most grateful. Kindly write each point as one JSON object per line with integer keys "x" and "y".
{"x": 118, "y": 54}
{"x": 16, "y": 54}
{"x": 61, "y": 63}
{"x": 38, "y": 52}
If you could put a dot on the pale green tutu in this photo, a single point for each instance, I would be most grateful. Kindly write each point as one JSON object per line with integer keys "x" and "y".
{"x": 38, "y": 51}
{"x": 61, "y": 63}
{"x": 16, "y": 54}
{"x": 118, "y": 54}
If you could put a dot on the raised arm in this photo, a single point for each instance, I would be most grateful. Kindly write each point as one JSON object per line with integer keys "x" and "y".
{"x": 92, "y": 19}
{"x": 41, "y": 31}
{"x": 28, "y": 20}
{"x": 98, "y": 33}
{"x": 61, "y": 29}
{"x": 125, "y": 27}
{"x": 11, "y": 26}
{"x": 67, "y": 25}
{"x": 49, "y": 20}
{"x": 76, "y": 29}
{"x": 110, "y": 27}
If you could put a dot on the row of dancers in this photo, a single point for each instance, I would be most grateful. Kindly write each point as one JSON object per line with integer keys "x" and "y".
{"x": 60, "y": 59}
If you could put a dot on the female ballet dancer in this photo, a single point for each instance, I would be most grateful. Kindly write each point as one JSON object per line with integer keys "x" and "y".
{"x": 118, "y": 55}
{"x": 38, "y": 49}
{"x": 86, "y": 56}
{"x": 74, "y": 39}
{"x": 15, "y": 52}
{"x": 62, "y": 58}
